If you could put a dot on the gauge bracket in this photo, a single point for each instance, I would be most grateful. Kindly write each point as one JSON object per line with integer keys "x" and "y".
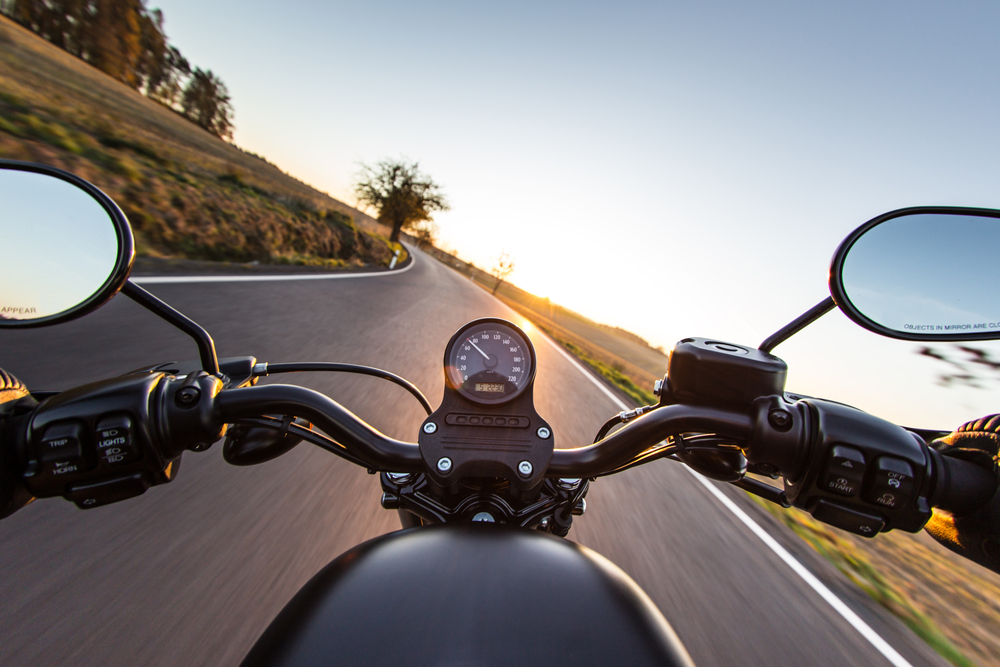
{"x": 487, "y": 440}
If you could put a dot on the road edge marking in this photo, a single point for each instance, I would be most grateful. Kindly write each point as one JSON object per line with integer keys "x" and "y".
{"x": 881, "y": 645}
{"x": 175, "y": 280}
{"x": 838, "y": 605}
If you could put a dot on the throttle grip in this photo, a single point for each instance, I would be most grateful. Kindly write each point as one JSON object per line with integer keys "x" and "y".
{"x": 961, "y": 486}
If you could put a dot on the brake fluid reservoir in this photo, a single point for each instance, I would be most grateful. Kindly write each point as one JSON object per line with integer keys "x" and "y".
{"x": 703, "y": 370}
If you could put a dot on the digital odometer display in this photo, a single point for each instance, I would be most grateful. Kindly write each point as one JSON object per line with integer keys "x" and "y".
{"x": 489, "y": 361}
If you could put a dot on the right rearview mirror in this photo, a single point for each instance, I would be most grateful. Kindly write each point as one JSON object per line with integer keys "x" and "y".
{"x": 67, "y": 248}
{"x": 928, "y": 273}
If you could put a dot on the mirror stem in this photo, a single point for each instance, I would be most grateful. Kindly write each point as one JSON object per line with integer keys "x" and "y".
{"x": 798, "y": 324}
{"x": 206, "y": 346}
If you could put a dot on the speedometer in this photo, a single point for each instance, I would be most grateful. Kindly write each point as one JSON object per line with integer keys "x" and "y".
{"x": 489, "y": 361}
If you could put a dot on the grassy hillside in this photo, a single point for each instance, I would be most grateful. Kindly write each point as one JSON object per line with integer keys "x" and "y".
{"x": 186, "y": 192}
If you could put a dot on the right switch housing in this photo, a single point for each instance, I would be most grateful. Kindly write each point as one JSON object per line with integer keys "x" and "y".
{"x": 867, "y": 475}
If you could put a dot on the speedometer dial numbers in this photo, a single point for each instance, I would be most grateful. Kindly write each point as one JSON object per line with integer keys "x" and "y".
{"x": 489, "y": 362}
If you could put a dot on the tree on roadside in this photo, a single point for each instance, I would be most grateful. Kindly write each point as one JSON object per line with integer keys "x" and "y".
{"x": 126, "y": 40}
{"x": 118, "y": 37}
{"x": 206, "y": 103}
{"x": 400, "y": 194}
{"x": 502, "y": 270}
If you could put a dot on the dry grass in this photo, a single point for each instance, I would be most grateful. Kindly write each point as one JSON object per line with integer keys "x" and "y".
{"x": 186, "y": 192}
{"x": 953, "y": 604}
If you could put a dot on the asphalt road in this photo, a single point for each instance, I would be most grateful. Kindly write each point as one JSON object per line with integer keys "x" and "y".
{"x": 192, "y": 572}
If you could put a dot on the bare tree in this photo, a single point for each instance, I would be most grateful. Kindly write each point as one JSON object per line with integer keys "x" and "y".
{"x": 400, "y": 193}
{"x": 502, "y": 269}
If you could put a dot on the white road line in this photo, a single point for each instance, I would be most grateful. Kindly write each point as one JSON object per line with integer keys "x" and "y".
{"x": 164, "y": 280}
{"x": 881, "y": 645}
{"x": 863, "y": 628}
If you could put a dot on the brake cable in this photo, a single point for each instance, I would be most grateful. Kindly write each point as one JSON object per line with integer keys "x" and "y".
{"x": 622, "y": 418}
{"x": 264, "y": 369}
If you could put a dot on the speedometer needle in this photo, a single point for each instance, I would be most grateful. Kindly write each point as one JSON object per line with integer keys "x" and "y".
{"x": 477, "y": 347}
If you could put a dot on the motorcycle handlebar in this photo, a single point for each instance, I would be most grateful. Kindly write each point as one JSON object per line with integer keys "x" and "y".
{"x": 389, "y": 454}
{"x": 336, "y": 421}
{"x": 620, "y": 447}
{"x": 190, "y": 412}
{"x": 959, "y": 486}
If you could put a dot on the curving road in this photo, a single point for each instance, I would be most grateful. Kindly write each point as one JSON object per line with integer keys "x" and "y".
{"x": 192, "y": 572}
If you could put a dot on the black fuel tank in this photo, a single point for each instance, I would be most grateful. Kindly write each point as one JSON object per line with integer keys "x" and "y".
{"x": 472, "y": 594}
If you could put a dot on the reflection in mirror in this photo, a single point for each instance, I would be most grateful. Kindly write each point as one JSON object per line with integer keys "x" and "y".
{"x": 927, "y": 275}
{"x": 61, "y": 247}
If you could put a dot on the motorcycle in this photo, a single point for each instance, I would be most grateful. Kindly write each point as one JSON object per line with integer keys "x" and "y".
{"x": 483, "y": 496}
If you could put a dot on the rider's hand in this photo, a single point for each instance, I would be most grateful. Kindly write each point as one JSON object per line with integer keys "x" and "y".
{"x": 14, "y": 401}
{"x": 975, "y": 535}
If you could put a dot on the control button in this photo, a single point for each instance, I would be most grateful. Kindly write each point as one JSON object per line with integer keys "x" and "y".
{"x": 850, "y": 520}
{"x": 115, "y": 444}
{"x": 110, "y": 491}
{"x": 891, "y": 484}
{"x": 61, "y": 449}
{"x": 844, "y": 471}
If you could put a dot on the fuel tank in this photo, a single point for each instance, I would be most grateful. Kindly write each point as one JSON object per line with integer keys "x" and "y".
{"x": 470, "y": 594}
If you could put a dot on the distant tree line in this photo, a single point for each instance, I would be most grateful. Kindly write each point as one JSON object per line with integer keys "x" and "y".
{"x": 125, "y": 40}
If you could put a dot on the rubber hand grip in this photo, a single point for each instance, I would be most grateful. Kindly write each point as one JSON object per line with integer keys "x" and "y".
{"x": 961, "y": 486}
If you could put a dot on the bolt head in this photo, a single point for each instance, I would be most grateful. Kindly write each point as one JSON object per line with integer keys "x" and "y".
{"x": 568, "y": 483}
{"x": 430, "y": 427}
{"x": 544, "y": 433}
{"x": 767, "y": 469}
{"x": 188, "y": 396}
{"x": 399, "y": 477}
{"x": 444, "y": 464}
{"x": 780, "y": 420}
{"x": 657, "y": 387}
{"x": 525, "y": 468}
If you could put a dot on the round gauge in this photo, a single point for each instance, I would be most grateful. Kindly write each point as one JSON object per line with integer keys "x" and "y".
{"x": 489, "y": 361}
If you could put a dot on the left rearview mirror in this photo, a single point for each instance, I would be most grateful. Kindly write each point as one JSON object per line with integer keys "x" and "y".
{"x": 67, "y": 247}
{"x": 928, "y": 273}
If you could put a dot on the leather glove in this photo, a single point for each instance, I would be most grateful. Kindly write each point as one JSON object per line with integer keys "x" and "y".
{"x": 15, "y": 401}
{"x": 975, "y": 535}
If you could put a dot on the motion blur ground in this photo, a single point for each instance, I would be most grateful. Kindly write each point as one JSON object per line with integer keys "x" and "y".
{"x": 193, "y": 571}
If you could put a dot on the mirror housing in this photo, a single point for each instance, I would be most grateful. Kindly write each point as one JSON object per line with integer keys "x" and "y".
{"x": 68, "y": 247}
{"x": 924, "y": 274}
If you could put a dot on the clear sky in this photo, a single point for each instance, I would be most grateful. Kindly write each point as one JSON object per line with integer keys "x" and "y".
{"x": 672, "y": 168}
